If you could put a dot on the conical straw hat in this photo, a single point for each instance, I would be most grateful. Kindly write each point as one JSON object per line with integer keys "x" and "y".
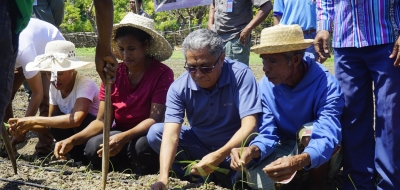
{"x": 281, "y": 38}
{"x": 159, "y": 46}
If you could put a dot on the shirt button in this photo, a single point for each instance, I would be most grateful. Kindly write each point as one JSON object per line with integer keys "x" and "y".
{"x": 211, "y": 104}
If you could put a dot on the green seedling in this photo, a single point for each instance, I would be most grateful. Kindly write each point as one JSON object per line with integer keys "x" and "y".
{"x": 352, "y": 182}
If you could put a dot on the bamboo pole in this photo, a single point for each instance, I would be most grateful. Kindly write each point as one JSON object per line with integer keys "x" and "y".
{"x": 106, "y": 132}
{"x": 10, "y": 152}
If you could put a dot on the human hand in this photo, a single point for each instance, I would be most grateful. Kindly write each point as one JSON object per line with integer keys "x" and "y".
{"x": 240, "y": 157}
{"x": 159, "y": 185}
{"x": 283, "y": 168}
{"x": 321, "y": 45}
{"x": 117, "y": 142}
{"x": 396, "y": 50}
{"x": 62, "y": 148}
{"x": 19, "y": 126}
{"x": 244, "y": 36}
{"x": 207, "y": 164}
{"x": 103, "y": 56}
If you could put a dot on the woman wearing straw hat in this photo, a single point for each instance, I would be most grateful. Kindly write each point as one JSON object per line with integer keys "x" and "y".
{"x": 73, "y": 98}
{"x": 138, "y": 97}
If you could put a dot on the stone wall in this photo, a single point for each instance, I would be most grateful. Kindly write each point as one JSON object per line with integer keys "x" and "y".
{"x": 82, "y": 39}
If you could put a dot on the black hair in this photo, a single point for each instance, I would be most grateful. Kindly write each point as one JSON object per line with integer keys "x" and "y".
{"x": 140, "y": 35}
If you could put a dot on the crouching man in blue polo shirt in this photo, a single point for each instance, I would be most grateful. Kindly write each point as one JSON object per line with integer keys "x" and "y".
{"x": 220, "y": 98}
{"x": 302, "y": 104}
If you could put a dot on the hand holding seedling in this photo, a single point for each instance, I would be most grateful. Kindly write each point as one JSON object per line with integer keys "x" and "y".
{"x": 242, "y": 156}
{"x": 207, "y": 164}
{"x": 117, "y": 142}
{"x": 19, "y": 126}
{"x": 62, "y": 148}
{"x": 283, "y": 168}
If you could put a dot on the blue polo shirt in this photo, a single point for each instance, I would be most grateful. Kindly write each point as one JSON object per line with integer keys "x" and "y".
{"x": 215, "y": 115}
{"x": 317, "y": 98}
{"x": 301, "y": 12}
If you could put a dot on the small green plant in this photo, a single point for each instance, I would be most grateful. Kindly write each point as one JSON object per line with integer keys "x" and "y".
{"x": 352, "y": 182}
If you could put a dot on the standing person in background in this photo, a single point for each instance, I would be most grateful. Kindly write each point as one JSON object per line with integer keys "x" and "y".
{"x": 301, "y": 12}
{"x": 132, "y": 5}
{"x": 32, "y": 42}
{"x": 51, "y": 11}
{"x": 367, "y": 58}
{"x": 233, "y": 21}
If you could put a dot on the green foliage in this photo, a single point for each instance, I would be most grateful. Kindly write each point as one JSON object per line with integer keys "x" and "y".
{"x": 76, "y": 18}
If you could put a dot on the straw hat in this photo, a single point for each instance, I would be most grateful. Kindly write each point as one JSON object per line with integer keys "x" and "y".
{"x": 59, "y": 55}
{"x": 281, "y": 38}
{"x": 159, "y": 46}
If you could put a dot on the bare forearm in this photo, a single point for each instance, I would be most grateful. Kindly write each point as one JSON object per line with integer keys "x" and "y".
{"x": 33, "y": 105}
{"x": 140, "y": 130}
{"x": 260, "y": 16}
{"x": 277, "y": 20}
{"x": 211, "y": 16}
{"x": 62, "y": 121}
{"x": 247, "y": 128}
{"x": 169, "y": 145}
{"x": 104, "y": 21}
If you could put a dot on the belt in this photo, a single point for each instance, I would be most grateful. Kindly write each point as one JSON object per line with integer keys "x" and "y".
{"x": 310, "y": 31}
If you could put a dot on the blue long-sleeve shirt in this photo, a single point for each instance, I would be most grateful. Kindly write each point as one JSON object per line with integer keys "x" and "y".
{"x": 317, "y": 98}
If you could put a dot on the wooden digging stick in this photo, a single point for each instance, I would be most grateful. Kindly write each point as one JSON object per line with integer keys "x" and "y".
{"x": 10, "y": 152}
{"x": 106, "y": 131}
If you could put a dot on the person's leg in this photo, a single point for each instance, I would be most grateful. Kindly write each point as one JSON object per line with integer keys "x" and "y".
{"x": 140, "y": 152}
{"x": 256, "y": 178}
{"x": 358, "y": 141}
{"x": 189, "y": 149}
{"x": 387, "y": 97}
{"x": 43, "y": 11}
{"x": 93, "y": 145}
{"x": 57, "y": 9}
{"x": 60, "y": 134}
{"x": 237, "y": 51}
{"x": 8, "y": 52}
{"x": 43, "y": 146}
{"x": 19, "y": 78}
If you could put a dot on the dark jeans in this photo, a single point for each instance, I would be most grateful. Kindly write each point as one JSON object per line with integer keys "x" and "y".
{"x": 8, "y": 51}
{"x": 136, "y": 152}
{"x": 77, "y": 153}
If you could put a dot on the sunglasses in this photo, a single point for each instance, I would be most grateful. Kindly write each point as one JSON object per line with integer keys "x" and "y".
{"x": 192, "y": 69}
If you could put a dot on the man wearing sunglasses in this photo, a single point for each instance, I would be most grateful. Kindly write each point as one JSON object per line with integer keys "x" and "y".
{"x": 221, "y": 101}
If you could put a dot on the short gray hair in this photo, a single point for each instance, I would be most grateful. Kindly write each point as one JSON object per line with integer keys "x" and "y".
{"x": 202, "y": 38}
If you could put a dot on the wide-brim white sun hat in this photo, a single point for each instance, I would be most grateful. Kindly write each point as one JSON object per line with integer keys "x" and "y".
{"x": 59, "y": 55}
{"x": 159, "y": 46}
{"x": 281, "y": 38}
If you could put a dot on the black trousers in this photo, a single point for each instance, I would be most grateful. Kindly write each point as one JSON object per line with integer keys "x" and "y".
{"x": 77, "y": 153}
{"x": 136, "y": 155}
